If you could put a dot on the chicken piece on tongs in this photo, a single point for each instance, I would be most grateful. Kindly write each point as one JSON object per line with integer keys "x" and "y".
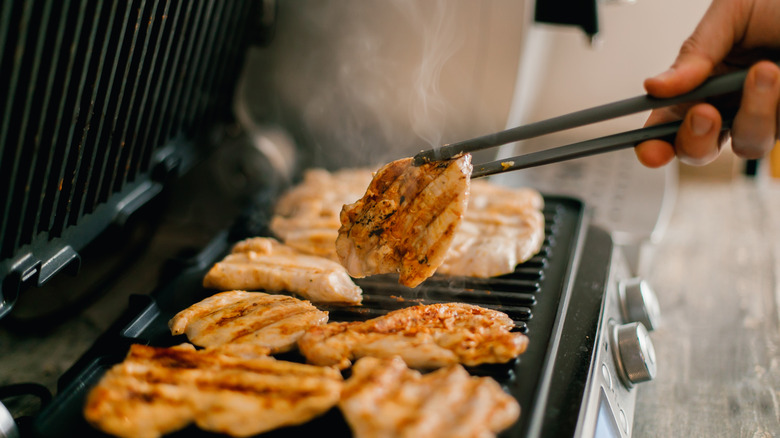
{"x": 426, "y": 337}
{"x": 406, "y": 220}
{"x": 384, "y": 398}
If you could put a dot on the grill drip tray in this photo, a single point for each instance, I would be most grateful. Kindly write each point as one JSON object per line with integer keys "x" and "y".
{"x": 534, "y": 296}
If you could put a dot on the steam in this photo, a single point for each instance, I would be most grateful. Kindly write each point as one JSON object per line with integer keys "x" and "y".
{"x": 357, "y": 82}
{"x": 440, "y": 42}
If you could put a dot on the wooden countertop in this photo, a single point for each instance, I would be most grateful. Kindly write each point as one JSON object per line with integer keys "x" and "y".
{"x": 716, "y": 273}
{"x": 717, "y": 276}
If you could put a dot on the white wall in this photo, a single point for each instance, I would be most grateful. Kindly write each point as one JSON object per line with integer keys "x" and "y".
{"x": 636, "y": 41}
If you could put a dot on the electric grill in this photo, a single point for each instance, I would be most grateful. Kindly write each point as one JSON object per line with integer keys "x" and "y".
{"x": 110, "y": 103}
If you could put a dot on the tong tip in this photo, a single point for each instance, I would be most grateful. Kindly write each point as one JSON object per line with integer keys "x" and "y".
{"x": 438, "y": 154}
{"x": 425, "y": 157}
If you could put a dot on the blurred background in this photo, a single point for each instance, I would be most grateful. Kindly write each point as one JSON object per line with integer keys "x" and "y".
{"x": 377, "y": 80}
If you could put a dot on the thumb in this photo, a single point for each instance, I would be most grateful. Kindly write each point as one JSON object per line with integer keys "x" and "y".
{"x": 709, "y": 44}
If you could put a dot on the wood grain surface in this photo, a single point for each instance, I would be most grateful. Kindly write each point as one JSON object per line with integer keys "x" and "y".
{"x": 716, "y": 276}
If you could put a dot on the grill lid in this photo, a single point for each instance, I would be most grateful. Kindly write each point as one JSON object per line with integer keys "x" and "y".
{"x": 100, "y": 102}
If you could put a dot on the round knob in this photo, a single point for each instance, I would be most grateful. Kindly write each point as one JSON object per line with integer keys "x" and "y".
{"x": 635, "y": 353}
{"x": 8, "y": 427}
{"x": 639, "y": 302}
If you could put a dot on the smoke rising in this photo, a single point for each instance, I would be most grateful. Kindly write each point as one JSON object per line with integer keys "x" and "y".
{"x": 440, "y": 41}
{"x": 360, "y": 82}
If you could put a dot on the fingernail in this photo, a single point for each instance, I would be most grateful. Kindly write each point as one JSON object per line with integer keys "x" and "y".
{"x": 700, "y": 125}
{"x": 766, "y": 77}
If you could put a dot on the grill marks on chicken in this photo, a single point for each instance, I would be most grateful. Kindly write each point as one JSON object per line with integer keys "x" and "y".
{"x": 426, "y": 337}
{"x": 384, "y": 398}
{"x": 237, "y": 317}
{"x": 159, "y": 390}
{"x": 502, "y": 228}
{"x": 406, "y": 220}
{"x": 265, "y": 264}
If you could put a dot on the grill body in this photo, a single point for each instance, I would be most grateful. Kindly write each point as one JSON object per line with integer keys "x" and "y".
{"x": 101, "y": 102}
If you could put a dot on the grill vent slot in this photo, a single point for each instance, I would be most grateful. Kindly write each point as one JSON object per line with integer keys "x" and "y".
{"x": 89, "y": 92}
{"x": 84, "y": 82}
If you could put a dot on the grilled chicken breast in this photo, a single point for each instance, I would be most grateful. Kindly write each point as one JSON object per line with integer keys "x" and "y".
{"x": 502, "y": 228}
{"x": 159, "y": 390}
{"x": 385, "y": 399}
{"x": 265, "y": 264}
{"x": 425, "y": 337}
{"x": 488, "y": 196}
{"x": 406, "y": 220}
{"x": 237, "y": 317}
{"x": 307, "y": 216}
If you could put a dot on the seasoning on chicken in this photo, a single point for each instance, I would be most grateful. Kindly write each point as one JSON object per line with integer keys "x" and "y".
{"x": 237, "y": 317}
{"x": 502, "y": 228}
{"x": 406, "y": 220}
{"x": 425, "y": 337}
{"x": 265, "y": 264}
{"x": 306, "y": 217}
{"x": 155, "y": 391}
{"x": 384, "y": 398}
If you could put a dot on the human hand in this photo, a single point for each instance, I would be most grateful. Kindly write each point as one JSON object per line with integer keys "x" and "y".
{"x": 733, "y": 34}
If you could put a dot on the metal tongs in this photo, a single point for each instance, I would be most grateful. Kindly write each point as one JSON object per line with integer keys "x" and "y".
{"x": 715, "y": 86}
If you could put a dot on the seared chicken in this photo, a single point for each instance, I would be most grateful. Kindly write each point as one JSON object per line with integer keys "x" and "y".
{"x": 307, "y": 216}
{"x": 237, "y": 317}
{"x": 385, "y": 399}
{"x": 159, "y": 390}
{"x": 488, "y": 196}
{"x": 425, "y": 337}
{"x": 502, "y": 228}
{"x": 406, "y": 220}
{"x": 265, "y": 264}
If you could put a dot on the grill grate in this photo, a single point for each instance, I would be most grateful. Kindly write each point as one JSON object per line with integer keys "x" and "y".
{"x": 532, "y": 296}
{"x": 91, "y": 92}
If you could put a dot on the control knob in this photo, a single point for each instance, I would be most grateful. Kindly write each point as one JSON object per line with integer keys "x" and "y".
{"x": 639, "y": 303}
{"x": 8, "y": 427}
{"x": 634, "y": 353}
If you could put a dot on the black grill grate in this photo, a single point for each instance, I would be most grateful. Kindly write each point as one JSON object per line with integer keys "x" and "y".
{"x": 532, "y": 296}
{"x": 91, "y": 92}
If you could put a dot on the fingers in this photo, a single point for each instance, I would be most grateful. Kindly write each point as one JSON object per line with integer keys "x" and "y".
{"x": 756, "y": 123}
{"x": 656, "y": 153}
{"x": 726, "y": 24}
{"x": 688, "y": 71}
{"x": 698, "y": 139}
{"x": 754, "y": 131}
